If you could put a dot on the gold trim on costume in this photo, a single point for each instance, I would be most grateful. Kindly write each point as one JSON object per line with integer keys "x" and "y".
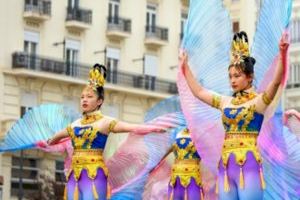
{"x": 245, "y": 114}
{"x": 91, "y": 118}
{"x": 243, "y": 98}
{"x": 189, "y": 150}
{"x": 91, "y": 160}
{"x": 112, "y": 125}
{"x": 87, "y": 135}
{"x": 216, "y": 101}
{"x": 240, "y": 145}
{"x": 266, "y": 99}
{"x": 185, "y": 170}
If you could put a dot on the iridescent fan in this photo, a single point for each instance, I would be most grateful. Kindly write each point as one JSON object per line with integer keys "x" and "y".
{"x": 207, "y": 40}
{"x": 39, "y": 123}
{"x": 130, "y": 172}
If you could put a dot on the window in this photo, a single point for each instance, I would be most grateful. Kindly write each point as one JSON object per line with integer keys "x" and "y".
{"x": 31, "y": 2}
{"x": 113, "y": 11}
{"x": 151, "y": 18}
{"x": 294, "y": 74}
{"x": 28, "y": 100}
{"x": 59, "y": 171}
{"x": 150, "y": 71}
{"x": 72, "y": 55}
{"x": 24, "y": 173}
{"x": 30, "y": 46}
{"x": 236, "y": 27}
{"x": 73, "y": 3}
{"x": 182, "y": 23}
{"x": 295, "y": 31}
{"x": 112, "y": 63}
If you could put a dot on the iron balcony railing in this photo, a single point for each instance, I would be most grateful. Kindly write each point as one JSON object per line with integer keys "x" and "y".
{"x": 78, "y": 14}
{"x": 41, "y": 7}
{"x": 119, "y": 24}
{"x": 157, "y": 32}
{"x": 78, "y": 70}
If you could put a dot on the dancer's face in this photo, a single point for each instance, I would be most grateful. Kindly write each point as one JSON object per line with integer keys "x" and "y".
{"x": 238, "y": 79}
{"x": 89, "y": 100}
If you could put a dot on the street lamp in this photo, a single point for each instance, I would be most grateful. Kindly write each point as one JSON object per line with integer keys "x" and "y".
{"x": 64, "y": 46}
{"x": 104, "y": 51}
{"x": 140, "y": 59}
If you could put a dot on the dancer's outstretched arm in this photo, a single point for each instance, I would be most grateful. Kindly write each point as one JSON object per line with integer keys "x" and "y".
{"x": 196, "y": 88}
{"x": 280, "y": 69}
{"x": 114, "y": 126}
{"x": 58, "y": 136}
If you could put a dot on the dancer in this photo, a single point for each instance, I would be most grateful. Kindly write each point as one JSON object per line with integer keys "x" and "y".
{"x": 240, "y": 169}
{"x": 181, "y": 180}
{"x": 186, "y": 182}
{"x": 87, "y": 170}
{"x": 256, "y": 143}
{"x": 185, "y": 178}
{"x": 87, "y": 178}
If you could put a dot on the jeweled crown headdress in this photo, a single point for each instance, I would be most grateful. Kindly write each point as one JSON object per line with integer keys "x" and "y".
{"x": 96, "y": 78}
{"x": 239, "y": 48}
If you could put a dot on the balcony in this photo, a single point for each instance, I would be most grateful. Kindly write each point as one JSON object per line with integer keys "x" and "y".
{"x": 38, "y": 10}
{"x": 21, "y": 60}
{"x": 156, "y": 36}
{"x": 293, "y": 85}
{"x": 118, "y": 28}
{"x": 78, "y": 19}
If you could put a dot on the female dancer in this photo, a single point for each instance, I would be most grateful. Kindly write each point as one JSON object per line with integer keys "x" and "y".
{"x": 87, "y": 178}
{"x": 183, "y": 177}
{"x": 185, "y": 182}
{"x": 240, "y": 173}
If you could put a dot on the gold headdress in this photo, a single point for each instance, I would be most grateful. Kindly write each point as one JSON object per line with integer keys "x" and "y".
{"x": 97, "y": 78}
{"x": 239, "y": 48}
{"x": 185, "y": 131}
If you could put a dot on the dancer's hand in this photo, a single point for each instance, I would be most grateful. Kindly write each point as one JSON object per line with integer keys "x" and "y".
{"x": 42, "y": 144}
{"x": 145, "y": 129}
{"x": 183, "y": 61}
{"x": 284, "y": 43}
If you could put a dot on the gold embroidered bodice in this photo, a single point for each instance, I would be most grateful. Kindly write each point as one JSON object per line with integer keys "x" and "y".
{"x": 187, "y": 163}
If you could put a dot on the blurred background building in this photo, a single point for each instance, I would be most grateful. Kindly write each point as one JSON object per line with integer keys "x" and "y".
{"x": 48, "y": 47}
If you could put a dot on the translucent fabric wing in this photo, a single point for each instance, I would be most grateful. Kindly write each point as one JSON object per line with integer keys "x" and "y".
{"x": 207, "y": 40}
{"x": 131, "y": 164}
{"x": 292, "y": 121}
{"x": 205, "y": 125}
{"x": 39, "y": 123}
{"x": 273, "y": 19}
{"x": 281, "y": 160}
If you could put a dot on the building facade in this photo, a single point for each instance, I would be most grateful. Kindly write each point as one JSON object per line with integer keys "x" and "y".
{"x": 48, "y": 47}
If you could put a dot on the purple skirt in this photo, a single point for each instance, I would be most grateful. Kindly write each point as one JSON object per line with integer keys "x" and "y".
{"x": 191, "y": 192}
{"x": 86, "y": 186}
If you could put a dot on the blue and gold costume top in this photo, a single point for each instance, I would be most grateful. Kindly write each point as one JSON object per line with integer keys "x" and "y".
{"x": 87, "y": 137}
{"x": 187, "y": 160}
{"x": 88, "y": 143}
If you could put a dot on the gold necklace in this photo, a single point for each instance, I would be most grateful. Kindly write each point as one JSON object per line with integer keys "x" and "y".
{"x": 243, "y": 98}
{"x": 91, "y": 118}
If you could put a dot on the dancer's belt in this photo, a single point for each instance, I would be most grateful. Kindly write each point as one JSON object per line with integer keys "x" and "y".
{"x": 186, "y": 169}
{"x": 88, "y": 159}
{"x": 239, "y": 144}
